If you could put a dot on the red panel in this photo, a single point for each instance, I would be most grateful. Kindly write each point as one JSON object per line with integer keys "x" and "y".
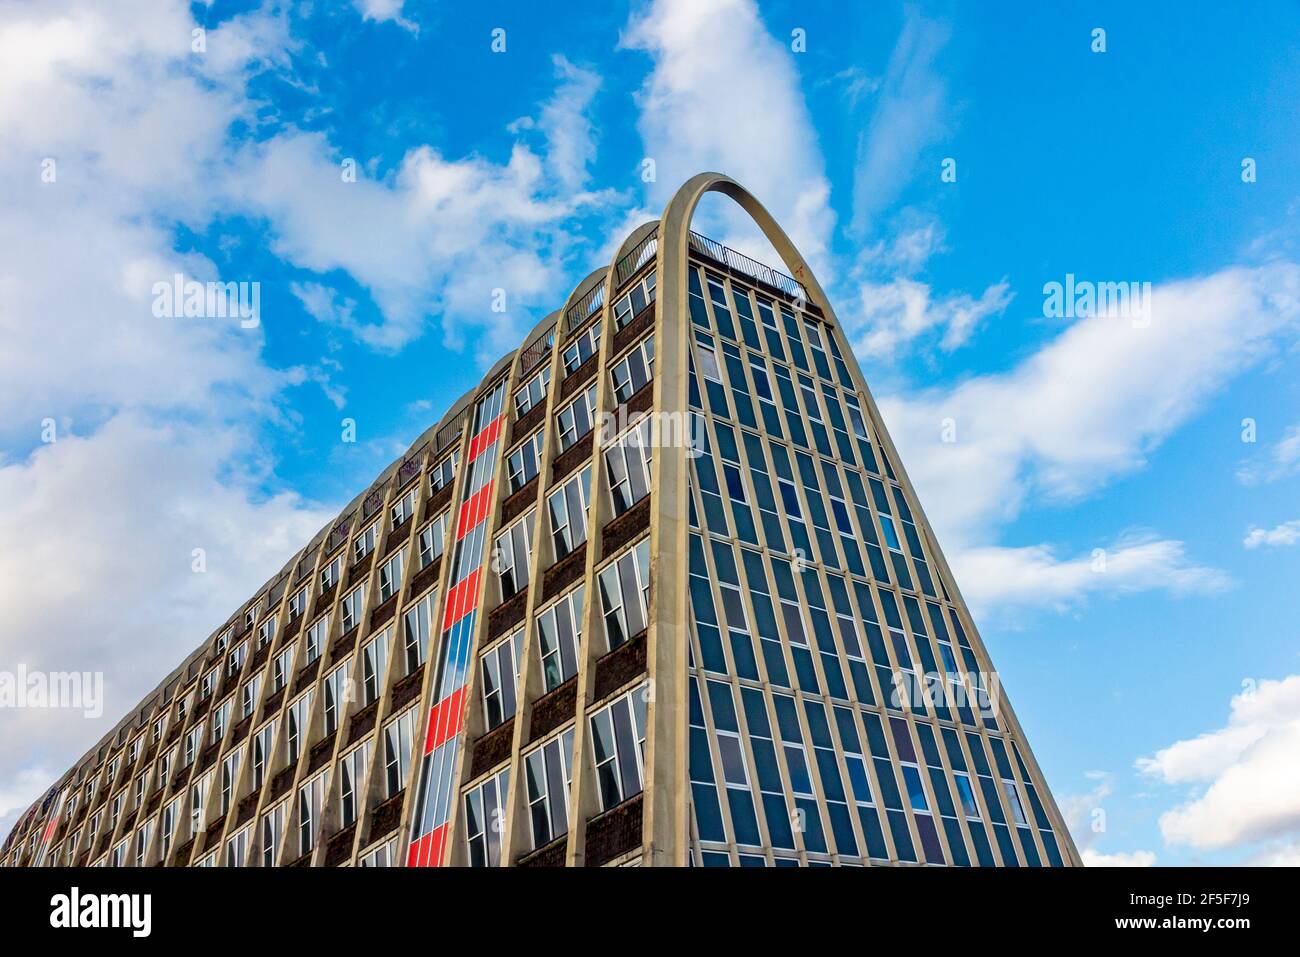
{"x": 485, "y": 438}
{"x": 445, "y": 720}
{"x": 474, "y": 510}
{"x": 461, "y": 599}
{"x": 428, "y": 850}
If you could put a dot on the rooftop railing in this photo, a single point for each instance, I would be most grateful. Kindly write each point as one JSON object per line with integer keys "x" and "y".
{"x": 637, "y": 257}
{"x": 749, "y": 267}
{"x": 535, "y": 353}
{"x": 583, "y": 308}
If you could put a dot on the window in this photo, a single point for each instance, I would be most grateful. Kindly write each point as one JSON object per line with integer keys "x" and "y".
{"x": 582, "y": 348}
{"x": 134, "y": 751}
{"x": 329, "y": 575}
{"x": 352, "y": 780}
{"x": 119, "y": 854}
{"x": 208, "y": 684}
{"x": 374, "y": 662}
{"x": 237, "y": 848}
{"x": 250, "y": 615}
{"x": 390, "y": 578}
{"x": 547, "y": 772}
{"x": 618, "y": 747}
{"x": 500, "y": 671}
{"x": 229, "y": 774}
{"x": 432, "y": 539}
{"x": 510, "y": 557}
{"x": 262, "y": 742}
{"x": 299, "y": 712}
{"x": 198, "y": 794}
{"x": 708, "y": 361}
{"x": 568, "y": 509}
{"x": 315, "y": 638}
{"x": 164, "y": 768}
{"x": 272, "y": 831}
{"x": 521, "y": 465}
{"x": 170, "y": 818}
{"x": 235, "y": 660}
{"x": 280, "y": 669}
{"x": 192, "y": 739}
{"x": 364, "y": 543}
{"x": 442, "y": 473}
{"x": 813, "y": 332}
{"x": 416, "y": 643}
{"x": 266, "y": 633}
{"x": 637, "y": 298}
{"x": 353, "y": 605}
{"x": 382, "y": 856}
{"x": 142, "y": 842}
{"x": 298, "y": 603}
{"x": 310, "y": 796}
{"x": 634, "y": 370}
{"x": 576, "y": 418}
{"x": 337, "y": 693}
{"x": 248, "y": 700}
{"x": 221, "y": 718}
{"x": 628, "y": 462}
{"x": 484, "y": 819}
{"x": 625, "y": 594}
{"x": 397, "y": 752}
{"x": 558, "y": 630}
{"x": 402, "y": 509}
{"x": 533, "y": 391}
{"x": 224, "y": 640}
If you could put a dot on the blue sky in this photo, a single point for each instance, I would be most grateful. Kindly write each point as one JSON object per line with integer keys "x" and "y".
{"x": 1163, "y": 690}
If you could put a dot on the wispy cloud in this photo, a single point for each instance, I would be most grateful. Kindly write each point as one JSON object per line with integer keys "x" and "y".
{"x": 907, "y": 117}
{"x": 1089, "y": 405}
{"x": 1288, "y": 533}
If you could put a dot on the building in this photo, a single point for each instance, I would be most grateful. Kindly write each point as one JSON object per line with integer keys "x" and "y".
{"x": 657, "y": 592}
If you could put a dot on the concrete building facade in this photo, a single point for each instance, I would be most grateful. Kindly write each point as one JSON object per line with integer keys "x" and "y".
{"x": 657, "y": 592}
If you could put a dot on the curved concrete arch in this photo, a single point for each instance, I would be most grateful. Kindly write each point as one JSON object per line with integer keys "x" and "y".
{"x": 676, "y": 223}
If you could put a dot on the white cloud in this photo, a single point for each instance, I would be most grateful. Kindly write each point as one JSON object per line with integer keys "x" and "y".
{"x": 440, "y": 234}
{"x": 724, "y": 96}
{"x": 156, "y": 451}
{"x": 1036, "y": 575}
{"x": 567, "y": 124}
{"x": 1281, "y": 459}
{"x": 1288, "y": 533}
{"x": 104, "y": 581}
{"x": 1243, "y": 780}
{"x": 1134, "y": 859}
{"x": 890, "y": 316}
{"x": 1089, "y": 405}
{"x": 385, "y": 11}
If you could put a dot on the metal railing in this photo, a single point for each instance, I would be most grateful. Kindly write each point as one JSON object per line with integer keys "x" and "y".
{"x": 535, "y": 353}
{"x": 580, "y": 311}
{"x": 447, "y": 434}
{"x": 637, "y": 257}
{"x": 750, "y": 267}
